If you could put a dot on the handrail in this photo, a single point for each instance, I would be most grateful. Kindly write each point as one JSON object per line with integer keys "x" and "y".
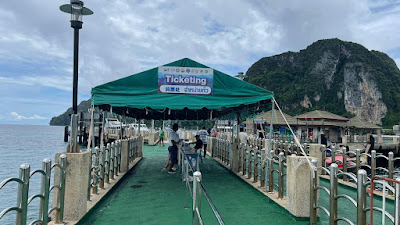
{"x": 213, "y": 208}
{"x": 324, "y": 188}
{"x": 9, "y": 209}
{"x": 334, "y": 196}
{"x": 324, "y": 209}
{"x": 199, "y": 216}
{"x": 344, "y": 219}
{"x": 4, "y": 182}
{"x": 395, "y": 218}
{"x": 348, "y": 198}
{"x": 198, "y": 188}
{"x": 23, "y": 199}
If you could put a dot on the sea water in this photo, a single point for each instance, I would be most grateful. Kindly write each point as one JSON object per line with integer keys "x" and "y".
{"x": 26, "y": 144}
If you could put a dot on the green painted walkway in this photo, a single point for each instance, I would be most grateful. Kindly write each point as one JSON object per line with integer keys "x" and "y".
{"x": 148, "y": 196}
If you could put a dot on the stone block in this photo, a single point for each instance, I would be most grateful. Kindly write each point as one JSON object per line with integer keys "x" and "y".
{"x": 124, "y": 156}
{"x": 235, "y": 157}
{"x": 213, "y": 145}
{"x": 76, "y": 185}
{"x": 298, "y": 186}
{"x": 140, "y": 150}
{"x": 315, "y": 151}
{"x": 152, "y": 138}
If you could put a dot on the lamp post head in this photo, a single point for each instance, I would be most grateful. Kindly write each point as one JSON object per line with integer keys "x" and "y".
{"x": 76, "y": 10}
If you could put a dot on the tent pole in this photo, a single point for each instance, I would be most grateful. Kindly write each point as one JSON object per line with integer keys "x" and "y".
{"x": 91, "y": 130}
{"x": 231, "y": 150}
{"x": 237, "y": 129}
{"x": 271, "y": 128}
{"x": 140, "y": 122}
{"x": 237, "y": 155}
{"x": 101, "y": 131}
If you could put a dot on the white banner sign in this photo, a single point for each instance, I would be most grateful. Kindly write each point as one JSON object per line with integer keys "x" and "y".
{"x": 185, "y": 80}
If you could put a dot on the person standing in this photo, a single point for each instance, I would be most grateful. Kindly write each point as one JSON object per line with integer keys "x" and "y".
{"x": 173, "y": 141}
{"x": 203, "y": 137}
{"x": 199, "y": 143}
{"x": 243, "y": 137}
{"x": 370, "y": 143}
{"x": 161, "y": 136}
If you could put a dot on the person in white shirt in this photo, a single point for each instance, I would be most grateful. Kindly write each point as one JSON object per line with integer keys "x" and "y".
{"x": 173, "y": 140}
{"x": 243, "y": 137}
{"x": 203, "y": 137}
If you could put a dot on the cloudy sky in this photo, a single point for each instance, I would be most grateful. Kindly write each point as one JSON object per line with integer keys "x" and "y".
{"x": 125, "y": 37}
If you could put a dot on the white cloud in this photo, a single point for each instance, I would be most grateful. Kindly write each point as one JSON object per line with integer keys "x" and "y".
{"x": 59, "y": 82}
{"x": 125, "y": 37}
{"x": 16, "y": 116}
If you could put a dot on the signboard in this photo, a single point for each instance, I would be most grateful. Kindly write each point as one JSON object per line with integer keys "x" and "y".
{"x": 192, "y": 158}
{"x": 185, "y": 80}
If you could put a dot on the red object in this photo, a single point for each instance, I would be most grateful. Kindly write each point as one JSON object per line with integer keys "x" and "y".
{"x": 337, "y": 159}
{"x": 371, "y": 192}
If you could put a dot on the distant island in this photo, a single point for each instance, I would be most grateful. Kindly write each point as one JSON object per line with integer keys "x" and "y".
{"x": 65, "y": 118}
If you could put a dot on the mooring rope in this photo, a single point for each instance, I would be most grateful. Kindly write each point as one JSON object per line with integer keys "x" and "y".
{"x": 295, "y": 137}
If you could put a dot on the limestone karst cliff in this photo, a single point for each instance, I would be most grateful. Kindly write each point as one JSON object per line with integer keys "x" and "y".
{"x": 341, "y": 77}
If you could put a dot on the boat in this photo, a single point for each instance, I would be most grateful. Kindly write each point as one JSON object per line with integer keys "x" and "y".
{"x": 135, "y": 126}
{"x": 112, "y": 129}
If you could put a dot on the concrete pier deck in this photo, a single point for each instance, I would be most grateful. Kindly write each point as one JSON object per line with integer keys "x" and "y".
{"x": 149, "y": 196}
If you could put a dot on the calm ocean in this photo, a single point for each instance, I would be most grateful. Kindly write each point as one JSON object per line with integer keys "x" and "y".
{"x": 25, "y": 144}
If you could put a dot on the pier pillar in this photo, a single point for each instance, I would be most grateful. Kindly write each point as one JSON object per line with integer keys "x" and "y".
{"x": 140, "y": 150}
{"x": 124, "y": 155}
{"x": 266, "y": 145}
{"x": 235, "y": 156}
{"x": 210, "y": 144}
{"x": 153, "y": 137}
{"x": 344, "y": 139}
{"x": 249, "y": 126}
{"x": 213, "y": 146}
{"x": 379, "y": 134}
{"x": 76, "y": 185}
{"x": 298, "y": 133}
{"x": 396, "y": 143}
{"x": 298, "y": 185}
{"x": 315, "y": 151}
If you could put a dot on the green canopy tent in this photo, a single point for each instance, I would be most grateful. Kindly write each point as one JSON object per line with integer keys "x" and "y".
{"x": 138, "y": 96}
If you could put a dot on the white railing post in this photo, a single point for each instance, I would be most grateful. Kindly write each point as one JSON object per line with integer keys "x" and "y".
{"x": 196, "y": 196}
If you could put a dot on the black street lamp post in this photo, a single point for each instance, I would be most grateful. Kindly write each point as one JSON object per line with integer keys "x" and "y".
{"x": 77, "y": 11}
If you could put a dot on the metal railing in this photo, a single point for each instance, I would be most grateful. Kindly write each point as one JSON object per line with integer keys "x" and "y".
{"x": 386, "y": 184}
{"x": 255, "y": 164}
{"x": 359, "y": 203}
{"x": 280, "y": 173}
{"x": 23, "y": 192}
{"x": 288, "y": 148}
{"x": 106, "y": 163}
{"x": 372, "y": 165}
{"x": 196, "y": 191}
{"x": 133, "y": 148}
{"x": 223, "y": 150}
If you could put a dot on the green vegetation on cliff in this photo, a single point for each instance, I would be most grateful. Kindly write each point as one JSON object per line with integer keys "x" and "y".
{"x": 333, "y": 75}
